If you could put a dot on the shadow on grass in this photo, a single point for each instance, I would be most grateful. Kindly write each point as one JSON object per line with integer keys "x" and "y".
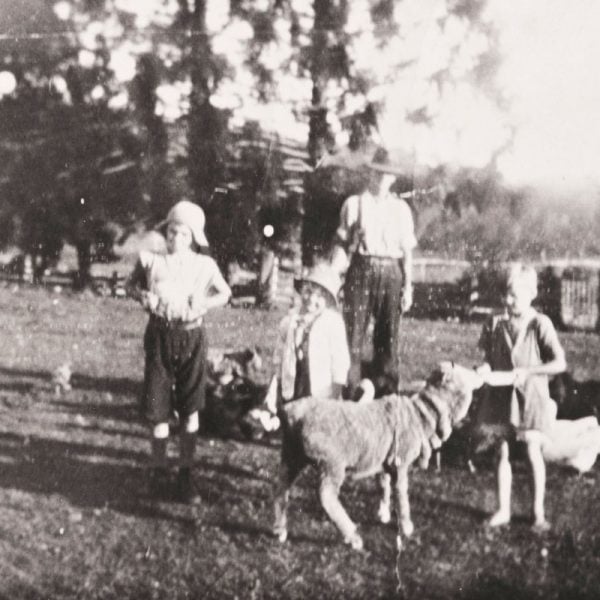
{"x": 88, "y": 476}
{"x": 102, "y": 410}
{"x": 205, "y": 463}
{"x": 490, "y": 587}
{"x": 113, "y": 385}
{"x": 20, "y": 387}
{"x": 91, "y": 476}
{"x": 476, "y": 513}
{"x": 24, "y": 373}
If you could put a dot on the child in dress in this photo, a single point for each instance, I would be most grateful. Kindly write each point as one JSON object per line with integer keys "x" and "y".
{"x": 177, "y": 289}
{"x": 524, "y": 345}
{"x": 312, "y": 358}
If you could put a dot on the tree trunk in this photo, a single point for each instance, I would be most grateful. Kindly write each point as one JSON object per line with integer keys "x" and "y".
{"x": 206, "y": 127}
{"x": 204, "y": 130}
{"x": 267, "y": 275}
{"x": 318, "y": 135}
{"x": 156, "y": 168}
{"x": 320, "y": 139}
{"x": 83, "y": 277}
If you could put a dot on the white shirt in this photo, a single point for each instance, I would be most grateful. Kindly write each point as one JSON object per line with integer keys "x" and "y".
{"x": 180, "y": 280}
{"x": 374, "y": 226}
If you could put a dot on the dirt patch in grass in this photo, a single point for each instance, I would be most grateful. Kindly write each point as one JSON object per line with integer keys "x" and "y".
{"x": 75, "y": 521}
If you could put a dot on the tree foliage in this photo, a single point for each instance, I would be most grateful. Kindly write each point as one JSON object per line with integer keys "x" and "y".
{"x": 73, "y": 169}
{"x": 86, "y": 154}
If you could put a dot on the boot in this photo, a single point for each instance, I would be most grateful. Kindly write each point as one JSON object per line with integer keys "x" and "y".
{"x": 159, "y": 483}
{"x": 186, "y": 489}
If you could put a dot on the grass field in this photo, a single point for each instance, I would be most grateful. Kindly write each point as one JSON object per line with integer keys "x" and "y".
{"x": 75, "y": 521}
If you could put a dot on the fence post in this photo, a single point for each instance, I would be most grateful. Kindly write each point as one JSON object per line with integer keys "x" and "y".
{"x": 27, "y": 269}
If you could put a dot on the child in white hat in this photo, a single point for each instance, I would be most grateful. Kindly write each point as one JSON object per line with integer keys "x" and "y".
{"x": 521, "y": 350}
{"x": 312, "y": 357}
{"x": 177, "y": 289}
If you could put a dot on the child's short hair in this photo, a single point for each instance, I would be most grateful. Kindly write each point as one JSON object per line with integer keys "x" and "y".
{"x": 525, "y": 275}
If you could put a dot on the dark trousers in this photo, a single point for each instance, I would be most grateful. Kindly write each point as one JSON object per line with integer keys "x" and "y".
{"x": 175, "y": 370}
{"x": 374, "y": 288}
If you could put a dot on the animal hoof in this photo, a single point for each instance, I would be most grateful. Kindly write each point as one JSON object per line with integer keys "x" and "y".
{"x": 383, "y": 514}
{"x": 355, "y": 541}
{"x": 407, "y": 528}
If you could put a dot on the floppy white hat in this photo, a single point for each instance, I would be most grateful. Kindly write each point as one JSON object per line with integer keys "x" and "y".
{"x": 189, "y": 214}
{"x": 323, "y": 275}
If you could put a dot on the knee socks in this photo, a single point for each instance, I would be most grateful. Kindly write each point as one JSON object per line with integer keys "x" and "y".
{"x": 160, "y": 439}
{"x": 187, "y": 441}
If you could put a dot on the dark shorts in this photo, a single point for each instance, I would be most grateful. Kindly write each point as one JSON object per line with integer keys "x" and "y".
{"x": 175, "y": 370}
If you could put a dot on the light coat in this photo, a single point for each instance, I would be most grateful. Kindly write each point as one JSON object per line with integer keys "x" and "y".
{"x": 328, "y": 356}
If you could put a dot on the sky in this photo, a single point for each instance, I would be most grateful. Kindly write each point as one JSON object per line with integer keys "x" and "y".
{"x": 550, "y": 73}
{"x": 549, "y": 82}
{"x": 548, "y": 79}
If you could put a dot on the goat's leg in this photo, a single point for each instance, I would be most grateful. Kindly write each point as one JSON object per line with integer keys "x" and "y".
{"x": 405, "y": 523}
{"x": 384, "y": 511}
{"x": 288, "y": 471}
{"x": 331, "y": 482}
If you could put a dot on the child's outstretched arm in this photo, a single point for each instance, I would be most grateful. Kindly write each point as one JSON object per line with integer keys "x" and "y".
{"x": 554, "y": 367}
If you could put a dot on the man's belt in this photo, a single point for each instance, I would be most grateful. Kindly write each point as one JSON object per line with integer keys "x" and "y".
{"x": 378, "y": 259}
{"x": 175, "y": 324}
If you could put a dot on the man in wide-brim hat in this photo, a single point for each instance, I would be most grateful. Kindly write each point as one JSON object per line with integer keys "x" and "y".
{"x": 377, "y": 231}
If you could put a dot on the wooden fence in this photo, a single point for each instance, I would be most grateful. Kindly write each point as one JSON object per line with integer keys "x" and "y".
{"x": 569, "y": 291}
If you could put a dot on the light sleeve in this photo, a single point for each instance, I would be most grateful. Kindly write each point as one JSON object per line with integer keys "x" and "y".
{"x": 340, "y": 355}
{"x": 547, "y": 337}
{"x": 348, "y": 220}
{"x": 408, "y": 238}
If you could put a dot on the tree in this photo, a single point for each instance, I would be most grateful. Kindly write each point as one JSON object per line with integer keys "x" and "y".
{"x": 403, "y": 94}
{"x": 73, "y": 174}
{"x": 158, "y": 174}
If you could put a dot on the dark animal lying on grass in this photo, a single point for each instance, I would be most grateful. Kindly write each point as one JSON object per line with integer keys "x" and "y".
{"x": 573, "y": 440}
{"x": 381, "y": 437}
{"x": 235, "y": 394}
{"x": 467, "y": 442}
{"x": 575, "y": 399}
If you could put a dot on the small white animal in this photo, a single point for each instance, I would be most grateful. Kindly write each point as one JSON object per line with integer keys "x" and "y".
{"x": 61, "y": 379}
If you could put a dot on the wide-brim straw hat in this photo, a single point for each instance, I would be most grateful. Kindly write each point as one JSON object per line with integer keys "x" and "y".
{"x": 189, "y": 214}
{"x": 326, "y": 277}
{"x": 382, "y": 163}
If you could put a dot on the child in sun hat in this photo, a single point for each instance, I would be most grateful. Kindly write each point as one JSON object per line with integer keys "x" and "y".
{"x": 176, "y": 289}
{"x": 521, "y": 350}
{"x": 312, "y": 357}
